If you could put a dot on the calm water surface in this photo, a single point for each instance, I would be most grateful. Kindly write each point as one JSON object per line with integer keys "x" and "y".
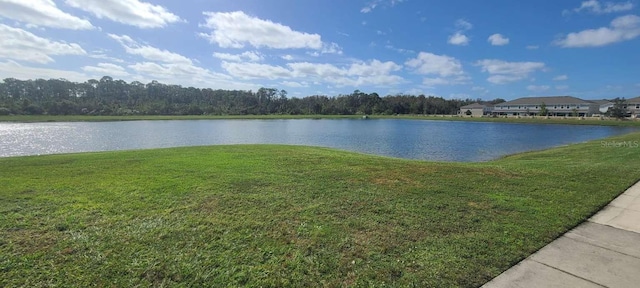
{"x": 413, "y": 139}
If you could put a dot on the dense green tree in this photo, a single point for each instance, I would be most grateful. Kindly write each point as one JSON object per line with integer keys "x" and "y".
{"x": 108, "y": 96}
{"x": 544, "y": 111}
{"x": 619, "y": 109}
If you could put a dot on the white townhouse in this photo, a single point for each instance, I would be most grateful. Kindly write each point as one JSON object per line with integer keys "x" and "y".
{"x": 633, "y": 106}
{"x": 475, "y": 110}
{"x": 555, "y": 105}
{"x": 604, "y": 105}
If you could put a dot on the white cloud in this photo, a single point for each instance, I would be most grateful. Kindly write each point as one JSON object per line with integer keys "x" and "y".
{"x": 374, "y": 72}
{"x": 399, "y": 50}
{"x": 429, "y": 63}
{"x": 623, "y": 28}
{"x": 503, "y": 79}
{"x": 247, "y": 55}
{"x": 375, "y": 3}
{"x": 320, "y": 70}
{"x": 463, "y": 24}
{"x": 43, "y": 13}
{"x": 129, "y": 12}
{"x": 459, "y": 96}
{"x": 596, "y": 7}
{"x": 331, "y": 48}
{"x": 415, "y": 91}
{"x": 369, "y": 7}
{"x": 431, "y": 82}
{"x": 189, "y": 75}
{"x": 293, "y": 84}
{"x": 480, "y": 90}
{"x": 533, "y": 47}
{"x": 502, "y": 72}
{"x": 11, "y": 69}
{"x": 236, "y": 29}
{"x": 172, "y": 68}
{"x": 448, "y": 70}
{"x": 540, "y": 88}
{"x": 106, "y": 69}
{"x": 18, "y": 44}
{"x": 101, "y": 54}
{"x": 375, "y": 67}
{"x": 287, "y": 57}
{"x": 256, "y": 71}
{"x": 561, "y": 78}
{"x": 458, "y": 39}
{"x": 498, "y": 40}
{"x": 149, "y": 52}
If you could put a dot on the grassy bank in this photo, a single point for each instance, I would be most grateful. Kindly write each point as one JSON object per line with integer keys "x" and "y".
{"x": 261, "y": 215}
{"x": 538, "y": 120}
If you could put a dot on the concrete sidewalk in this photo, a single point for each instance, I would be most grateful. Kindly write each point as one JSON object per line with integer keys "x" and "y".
{"x": 602, "y": 252}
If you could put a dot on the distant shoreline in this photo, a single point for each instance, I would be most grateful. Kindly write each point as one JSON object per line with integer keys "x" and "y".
{"x": 524, "y": 120}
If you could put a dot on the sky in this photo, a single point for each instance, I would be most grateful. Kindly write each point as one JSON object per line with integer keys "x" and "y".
{"x": 450, "y": 48}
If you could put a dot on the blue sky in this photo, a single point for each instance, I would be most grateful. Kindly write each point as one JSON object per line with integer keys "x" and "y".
{"x": 450, "y": 48}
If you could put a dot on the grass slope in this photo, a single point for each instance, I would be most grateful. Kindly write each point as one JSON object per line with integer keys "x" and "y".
{"x": 262, "y": 215}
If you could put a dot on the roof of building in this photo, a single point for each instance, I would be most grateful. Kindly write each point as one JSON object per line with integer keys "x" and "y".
{"x": 601, "y": 102}
{"x": 634, "y": 100}
{"x": 474, "y": 106}
{"x": 547, "y": 100}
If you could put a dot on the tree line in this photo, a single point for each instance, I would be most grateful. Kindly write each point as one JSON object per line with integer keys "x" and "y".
{"x": 117, "y": 97}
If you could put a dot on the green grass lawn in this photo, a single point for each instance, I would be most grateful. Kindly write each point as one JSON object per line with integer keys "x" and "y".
{"x": 277, "y": 216}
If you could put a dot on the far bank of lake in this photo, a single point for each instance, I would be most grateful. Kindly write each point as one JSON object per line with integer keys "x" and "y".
{"x": 592, "y": 121}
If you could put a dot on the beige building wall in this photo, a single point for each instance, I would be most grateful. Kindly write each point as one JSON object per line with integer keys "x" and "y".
{"x": 475, "y": 112}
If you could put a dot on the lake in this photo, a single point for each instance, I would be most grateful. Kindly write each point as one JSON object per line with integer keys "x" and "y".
{"x": 412, "y": 139}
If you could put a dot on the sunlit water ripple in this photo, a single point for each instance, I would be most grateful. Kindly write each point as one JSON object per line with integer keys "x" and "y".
{"x": 412, "y": 139}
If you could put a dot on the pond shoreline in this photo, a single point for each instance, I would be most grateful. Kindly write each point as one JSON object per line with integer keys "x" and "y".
{"x": 521, "y": 120}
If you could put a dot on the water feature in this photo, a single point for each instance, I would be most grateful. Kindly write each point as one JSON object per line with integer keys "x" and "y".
{"x": 413, "y": 139}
